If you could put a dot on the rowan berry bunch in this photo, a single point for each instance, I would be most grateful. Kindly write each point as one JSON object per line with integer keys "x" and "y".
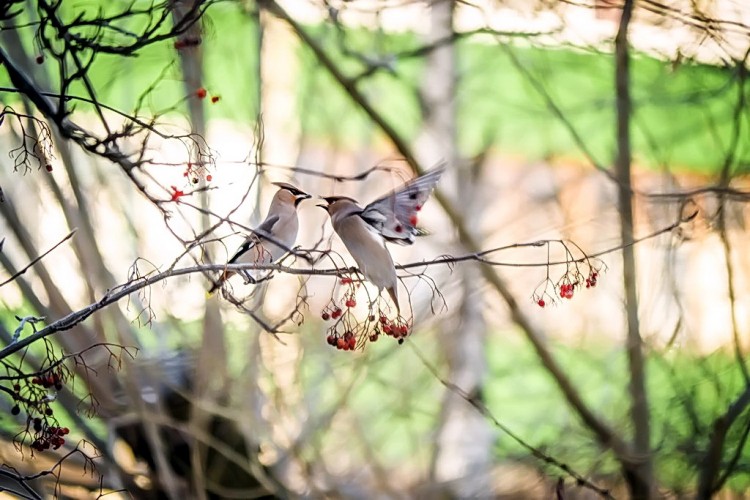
{"x": 351, "y": 331}
{"x": 196, "y": 171}
{"x": 578, "y": 274}
{"x": 35, "y": 396}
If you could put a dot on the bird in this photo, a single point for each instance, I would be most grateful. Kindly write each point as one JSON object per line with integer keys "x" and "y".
{"x": 274, "y": 237}
{"x": 391, "y": 218}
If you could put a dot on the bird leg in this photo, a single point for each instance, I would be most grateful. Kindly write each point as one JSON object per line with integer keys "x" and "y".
{"x": 249, "y": 280}
{"x": 264, "y": 278}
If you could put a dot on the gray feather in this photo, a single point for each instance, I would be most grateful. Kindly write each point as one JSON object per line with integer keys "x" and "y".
{"x": 394, "y": 214}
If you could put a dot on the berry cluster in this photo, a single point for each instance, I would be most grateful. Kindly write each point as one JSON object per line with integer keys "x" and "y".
{"x": 194, "y": 171}
{"x": 398, "y": 329}
{"x": 350, "y": 331}
{"x": 49, "y": 380}
{"x": 591, "y": 280}
{"x": 47, "y": 436}
{"x": 547, "y": 291}
{"x": 566, "y": 290}
{"x": 346, "y": 342}
{"x": 202, "y": 93}
{"x": 35, "y": 397}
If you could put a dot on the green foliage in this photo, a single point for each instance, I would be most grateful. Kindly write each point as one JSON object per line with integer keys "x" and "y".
{"x": 683, "y": 116}
{"x": 687, "y": 392}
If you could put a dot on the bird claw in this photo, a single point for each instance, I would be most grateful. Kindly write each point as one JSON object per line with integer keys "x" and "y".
{"x": 249, "y": 280}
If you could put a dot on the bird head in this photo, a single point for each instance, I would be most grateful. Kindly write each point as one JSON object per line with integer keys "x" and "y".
{"x": 290, "y": 193}
{"x": 335, "y": 203}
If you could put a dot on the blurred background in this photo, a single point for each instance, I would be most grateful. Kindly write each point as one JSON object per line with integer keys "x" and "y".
{"x": 177, "y": 118}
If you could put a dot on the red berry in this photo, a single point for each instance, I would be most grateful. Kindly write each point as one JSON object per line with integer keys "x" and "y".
{"x": 331, "y": 339}
{"x": 48, "y": 167}
{"x": 336, "y": 313}
{"x": 341, "y": 343}
{"x": 398, "y": 228}
{"x": 352, "y": 343}
{"x": 351, "y": 303}
{"x": 39, "y": 59}
{"x": 209, "y": 178}
{"x": 413, "y": 220}
{"x": 373, "y": 336}
{"x": 215, "y": 99}
{"x": 541, "y": 302}
{"x": 325, "y": 316}
{"x": 201, "y": 93}
{"x": 65, "y": 431}
{"x": 417, "y": 207}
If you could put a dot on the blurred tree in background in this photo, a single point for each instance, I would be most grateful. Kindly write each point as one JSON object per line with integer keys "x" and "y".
{"x": 578, "y": 311}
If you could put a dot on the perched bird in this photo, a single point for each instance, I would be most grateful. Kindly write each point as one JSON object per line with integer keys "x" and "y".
{"x": 392, "y": 218}
{"x": 275, "y": 236}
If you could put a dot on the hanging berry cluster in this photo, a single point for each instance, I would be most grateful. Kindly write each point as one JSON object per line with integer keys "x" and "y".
{"x": 34, "y": 396}
{"x": 578, "y": 273}
{"x": 47, "y": 436}
{"x": 195, "y": 171}
{"x": 350, "y": 331}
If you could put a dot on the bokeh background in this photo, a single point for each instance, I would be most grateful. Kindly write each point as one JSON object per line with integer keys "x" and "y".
{"x": 518, "y": 99}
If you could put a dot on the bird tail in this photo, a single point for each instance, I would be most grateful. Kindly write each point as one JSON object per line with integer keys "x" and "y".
{"x": 224, "y": 276}
{"x": 392, "y": 291}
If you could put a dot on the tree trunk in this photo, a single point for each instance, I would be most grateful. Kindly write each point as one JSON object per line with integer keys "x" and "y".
{"x": 638, "y": 469}
{"x": 463, "y": 456}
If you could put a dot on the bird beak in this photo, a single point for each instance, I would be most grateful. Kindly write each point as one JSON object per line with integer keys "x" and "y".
{"x": 304, "y": 196}
{"x": 324, "y": 207}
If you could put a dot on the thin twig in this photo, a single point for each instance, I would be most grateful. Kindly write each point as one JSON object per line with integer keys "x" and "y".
{"x": 30, "y": 264}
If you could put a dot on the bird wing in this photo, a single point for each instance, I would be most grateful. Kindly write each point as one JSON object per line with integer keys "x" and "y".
{"x": 265, "y": 228}
{"x": 395, "y": 214}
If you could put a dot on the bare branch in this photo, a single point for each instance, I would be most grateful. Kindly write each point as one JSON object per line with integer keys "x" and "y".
{"x": 31, "y": 264}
